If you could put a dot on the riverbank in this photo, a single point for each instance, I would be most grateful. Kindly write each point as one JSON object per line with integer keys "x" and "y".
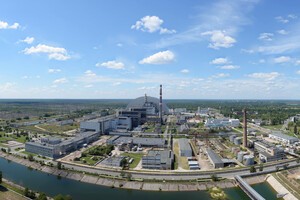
{"x": 280, "y": 189}
{"x": 11, "y": 191}
{"x": 120, "y": 182}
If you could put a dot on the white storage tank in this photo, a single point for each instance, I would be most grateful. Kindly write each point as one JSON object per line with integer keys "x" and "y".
{"x": 240, "y": 156}
{"x": 237, "y": 141}
{"x": 248, "y": 160}
{"x": 231, "y": 138}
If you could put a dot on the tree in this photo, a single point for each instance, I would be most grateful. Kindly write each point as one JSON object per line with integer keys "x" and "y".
{"x": 42, "y": 196}
{"x": 62, "y": 197}
{"x": 124, "y": 163}
{"x": 295, "y": 129}
{"x": 214, "y": 177}
{"x": 59, "y": 165}
{"x": 30, "y": 157}
{"x": 261, "y": 167}
{"x": 252, "y": 169}
{"x": 298, "y": 160}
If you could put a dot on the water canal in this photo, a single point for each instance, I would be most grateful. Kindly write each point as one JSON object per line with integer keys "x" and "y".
{"x": 51, "y": 185}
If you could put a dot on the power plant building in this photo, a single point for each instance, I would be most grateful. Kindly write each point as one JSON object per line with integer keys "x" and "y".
{"x": 185, "y": 148}
{"x": 214, "y": 158}
{"x": 139, "y": 141}
{"x": 286, "y": 139}
{"x": 158, "y": 159}
{"x": 268, "y": 152}
{"x": 55, "y": 147}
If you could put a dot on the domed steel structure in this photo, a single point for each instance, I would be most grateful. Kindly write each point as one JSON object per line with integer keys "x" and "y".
{"x": 147, "y": 101}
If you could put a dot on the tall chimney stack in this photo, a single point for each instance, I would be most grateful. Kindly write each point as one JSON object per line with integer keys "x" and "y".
{"x": 245, "y": 128}
{"x": 160, "y": 105}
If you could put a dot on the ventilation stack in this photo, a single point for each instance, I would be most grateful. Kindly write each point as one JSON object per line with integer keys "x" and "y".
{"x": 245, "y": 128}
{"x": 160, "y": 105}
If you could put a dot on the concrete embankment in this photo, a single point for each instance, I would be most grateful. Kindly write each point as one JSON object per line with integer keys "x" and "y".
{"x": 121, "y": 183}
{"x": 280, "y": 189}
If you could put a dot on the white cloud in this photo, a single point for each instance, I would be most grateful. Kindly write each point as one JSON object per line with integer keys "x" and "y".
{"x": 282, "y": 59}
{"x": 220, "y": 75}
{"x": 229, "y": 67}
{"x": 297, "y": 62}
{"x": 89, "y": 86}
{"x": 24, "y": 77}
{"x": 220, "y": 61}
{"x": 28, "y": 40}
{"x": 266, "y": 36}
{"x": 89, "y": 73}
{"x": 219, "y": 39}
{"x": 151, "y": 24}
{"x": 58, "y": 56}
{"x": 147, "y": 88}
{"x": 282, "y": 32}
{"x": 116, "y": 83}
{"x": 282, "y": 19}
{"x": 229, "y": 16}
{"x": 298, "y": 72}
{"x": 185, "y": 71}
{"x": 5, "y": 25}
{"x": 56, "y": 53}
{"x": 292, "y": 16}
{"x": 286, "y": 19}
{"x": 162, "y": 57}
{"x": 262, "y": 61}
{"x": 266, "y": 76}
{"x": 111, "y": 65}
{"x": 120, "y": 45}
{"x": 7, "y": 86}
{"x": 60, "y": 81}
{"x": 54, "y": 70}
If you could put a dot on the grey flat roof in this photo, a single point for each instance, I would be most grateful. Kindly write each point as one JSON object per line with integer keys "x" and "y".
{"x": 38, "y": 144}
{"x": 184, "y": 145}
{"x": 141, "y": 141}
{"x": 112, "y": 161}
{"x": 284, "y": 136}
{"x": 165, "y": 155}
{"x": 213, "y": 156}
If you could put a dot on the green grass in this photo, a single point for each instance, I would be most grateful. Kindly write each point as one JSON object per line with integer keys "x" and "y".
{"x": 57, "y": 128}
{"x": 17, "y": 190}
{"x": 273, "y": 127}
{"x": 4, "y": 139}
{"x": 28, "y": 153}
{"x": 89, "y": 160}
{"x": 136, "y": 156}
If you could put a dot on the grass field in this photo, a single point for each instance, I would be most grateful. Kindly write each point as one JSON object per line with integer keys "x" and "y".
{"x": 179, "y": 160}
{"x": 136, "y": 156}
{"x": 90, "y": 160}
{"x": 273, "y": 127}
{"x": 57, "y": 128}
{"x": 4, "y": 138}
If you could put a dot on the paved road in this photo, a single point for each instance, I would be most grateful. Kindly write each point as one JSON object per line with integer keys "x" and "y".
{"x": 173, "y": 175}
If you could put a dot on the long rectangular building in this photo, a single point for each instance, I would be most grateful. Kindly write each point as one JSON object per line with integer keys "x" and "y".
{"x": 54, "y": 150}
{"x": 158, "y": 160}
{"x": 215, "y": 159}
{"x": 140, "y": 141}
{"x": 185, "y": 148}
{"x": 279, "y": 136}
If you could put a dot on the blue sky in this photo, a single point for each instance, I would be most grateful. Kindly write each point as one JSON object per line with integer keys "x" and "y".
{"x": 219, "y": 49}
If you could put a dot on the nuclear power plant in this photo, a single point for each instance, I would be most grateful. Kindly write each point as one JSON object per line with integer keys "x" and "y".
{"x": 245, "y": 128}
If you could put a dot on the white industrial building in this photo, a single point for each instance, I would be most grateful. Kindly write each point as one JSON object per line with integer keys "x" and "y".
{"x": 286, "y": 139}
{"x": 218, "y": 123}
